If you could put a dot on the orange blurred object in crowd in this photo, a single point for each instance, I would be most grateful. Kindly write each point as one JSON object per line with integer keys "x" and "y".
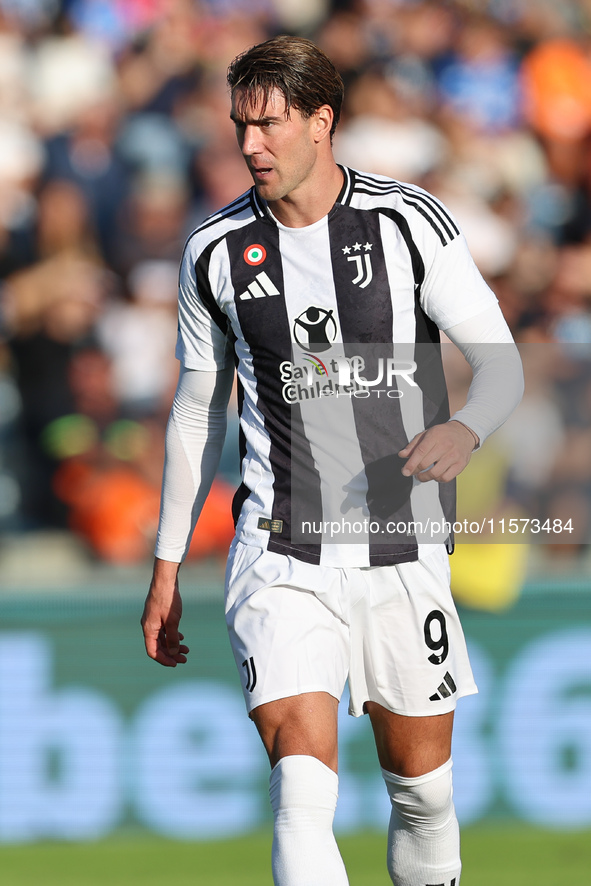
{"x": 115, "y": 509}
{"x": 556, "y": 78}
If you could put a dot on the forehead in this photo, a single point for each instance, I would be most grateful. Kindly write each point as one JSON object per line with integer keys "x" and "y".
{"x": 247, "y": 105}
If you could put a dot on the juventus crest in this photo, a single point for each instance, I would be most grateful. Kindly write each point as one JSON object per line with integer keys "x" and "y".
{"x": 362, "y": 263}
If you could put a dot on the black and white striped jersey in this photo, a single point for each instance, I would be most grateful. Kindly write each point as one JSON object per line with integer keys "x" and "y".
{"x": 334, "y": 329}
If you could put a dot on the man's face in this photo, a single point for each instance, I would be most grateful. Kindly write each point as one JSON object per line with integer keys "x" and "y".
{"x": 280, "y": 150}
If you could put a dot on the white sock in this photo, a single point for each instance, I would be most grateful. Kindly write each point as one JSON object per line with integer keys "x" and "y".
{"x": 423, "y": 837}
{"x": 303, "y": 795}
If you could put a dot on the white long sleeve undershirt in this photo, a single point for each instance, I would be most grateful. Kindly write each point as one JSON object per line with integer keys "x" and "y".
{"x": 497, "y": 384}
{"x": 194, "y": 439}
{"x": 197, "y": 424}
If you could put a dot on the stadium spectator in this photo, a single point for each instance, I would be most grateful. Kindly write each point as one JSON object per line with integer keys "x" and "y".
{"x": 120, "y": 100}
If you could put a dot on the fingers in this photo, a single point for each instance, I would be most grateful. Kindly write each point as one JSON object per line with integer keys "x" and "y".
{"x": 175, "y": 650}
{"x": 157, "y": 647}
{"x": 417, "y": 452}
{"x": 439, "y": 453}
{"x": 151, "y": 643}
{"x": 442, "y": 473}
{"x": 172, "y": 638}
{"x": 171, "y": 650}
{"x": 404, "y": 453}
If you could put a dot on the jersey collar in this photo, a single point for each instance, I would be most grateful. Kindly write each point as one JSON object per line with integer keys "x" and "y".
{"x": 261, "y": 210}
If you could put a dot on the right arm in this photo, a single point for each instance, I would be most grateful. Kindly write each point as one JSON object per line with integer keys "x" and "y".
{"x": 194, "y": 438}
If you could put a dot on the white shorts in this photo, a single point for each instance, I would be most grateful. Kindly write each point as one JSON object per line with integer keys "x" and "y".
{"x": 393, "y": 631}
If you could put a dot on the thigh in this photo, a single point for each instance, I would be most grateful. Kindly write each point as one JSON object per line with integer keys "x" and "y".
{"x": 408, "y": 651}
{"x": 302, "y": 724}
{"x": 410, "y": 746}
{"x": 286, "y": 642}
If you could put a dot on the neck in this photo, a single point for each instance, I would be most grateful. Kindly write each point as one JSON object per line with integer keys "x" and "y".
{"x": 312, "y": 200}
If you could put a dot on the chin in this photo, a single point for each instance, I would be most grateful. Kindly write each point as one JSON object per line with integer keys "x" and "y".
{"x": 267, "y": 193}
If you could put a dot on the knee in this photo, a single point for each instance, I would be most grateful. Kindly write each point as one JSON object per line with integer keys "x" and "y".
{"x": 425, "y": 800}
{"x": 304, "y": 725}
{"x": 299, "y": 784}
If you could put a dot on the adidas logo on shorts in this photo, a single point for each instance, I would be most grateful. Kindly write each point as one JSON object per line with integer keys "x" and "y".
{"x": 445, "y": 689}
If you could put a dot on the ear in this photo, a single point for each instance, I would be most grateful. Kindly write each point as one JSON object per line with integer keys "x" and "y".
{"x": 322, "y": 123}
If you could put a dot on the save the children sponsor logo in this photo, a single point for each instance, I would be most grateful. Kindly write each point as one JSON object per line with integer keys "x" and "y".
{"x": 350, "y": 370}
{"x": 315, "y": 329}
{"x": 308, "y": 377}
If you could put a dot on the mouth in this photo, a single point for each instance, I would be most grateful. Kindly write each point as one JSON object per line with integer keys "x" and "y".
{"x": 260, "y": 173}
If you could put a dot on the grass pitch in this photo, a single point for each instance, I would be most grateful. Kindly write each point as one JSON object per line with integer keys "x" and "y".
{"x": 493, "y": 856}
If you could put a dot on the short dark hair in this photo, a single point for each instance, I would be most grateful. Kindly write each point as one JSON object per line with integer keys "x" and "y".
{"x": 297, "y": 68}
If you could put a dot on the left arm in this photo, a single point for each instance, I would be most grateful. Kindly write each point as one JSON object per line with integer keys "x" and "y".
{"x": 443, "y": 451}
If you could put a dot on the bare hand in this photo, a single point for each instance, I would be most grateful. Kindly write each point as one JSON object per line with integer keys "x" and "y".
{"x": 439, "y": 453}
{"x": 161, "y": 617}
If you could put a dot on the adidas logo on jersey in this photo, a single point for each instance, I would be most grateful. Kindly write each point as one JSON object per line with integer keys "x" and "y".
{"x": 445, "y": 689}
{"x": 261, "y": 286}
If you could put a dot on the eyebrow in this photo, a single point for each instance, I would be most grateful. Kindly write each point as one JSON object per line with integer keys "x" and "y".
{"x": 259, "y": 121}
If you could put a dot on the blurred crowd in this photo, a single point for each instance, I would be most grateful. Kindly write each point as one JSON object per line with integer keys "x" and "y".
{"x": 115, "y": 143}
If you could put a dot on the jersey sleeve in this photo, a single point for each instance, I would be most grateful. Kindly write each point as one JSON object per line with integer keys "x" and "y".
{"x": 453, "y": 288}
{"x": 203, "y": 340}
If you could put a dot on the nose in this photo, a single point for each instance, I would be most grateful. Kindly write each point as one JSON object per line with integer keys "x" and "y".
{"x": 251, "y": 141}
